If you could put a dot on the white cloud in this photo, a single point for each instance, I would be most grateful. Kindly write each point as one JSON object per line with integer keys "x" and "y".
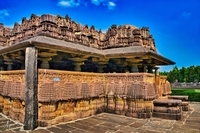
{"x": 3, "y": 13}
{"x": 186, "y": 14}
{"x": 98, "y": 2}
{"x": 75, "y": 3}
{"x": 111, "y": 5}
{"x": 69, "y": 3}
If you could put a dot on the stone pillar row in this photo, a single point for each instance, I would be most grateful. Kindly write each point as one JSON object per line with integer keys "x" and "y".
{"x": 46, "y": 56}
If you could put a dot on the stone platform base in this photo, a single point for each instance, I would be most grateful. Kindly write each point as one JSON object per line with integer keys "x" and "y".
{"x": 185, "y": 105}
{"x": 167, "y": 109}
{"x": 169, "y": 116}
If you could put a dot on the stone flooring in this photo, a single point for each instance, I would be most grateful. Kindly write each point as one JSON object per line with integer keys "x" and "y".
{"x": 111, "y": 123}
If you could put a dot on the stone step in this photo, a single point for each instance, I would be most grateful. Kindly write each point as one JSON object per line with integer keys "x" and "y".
{"x": 169, "y": 116}
{"x": 183, "y": 98}
{"x": 167, "y": 102}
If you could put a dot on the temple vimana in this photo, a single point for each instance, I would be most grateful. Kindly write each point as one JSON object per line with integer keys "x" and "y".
{"x": 55, "y": 70}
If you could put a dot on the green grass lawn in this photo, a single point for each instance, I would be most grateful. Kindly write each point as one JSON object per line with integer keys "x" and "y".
{"x": 193, "y": 94}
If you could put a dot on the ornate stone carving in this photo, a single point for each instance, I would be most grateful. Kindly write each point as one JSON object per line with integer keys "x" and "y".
{"x": 47, "y": 92}
{"x": 65, "y": 95}
{"x": 69, "y": 91}
{"x": 64, "y": 28}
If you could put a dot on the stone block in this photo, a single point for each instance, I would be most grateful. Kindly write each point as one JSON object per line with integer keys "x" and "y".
{"x": 144, "y": 115}
{"x": 43, "y": 123}
{"x": 169, "y": 116}
{"x": 182, "y": 97}
{"x": 163, "y": 109}
{"x": 167, "y": 102}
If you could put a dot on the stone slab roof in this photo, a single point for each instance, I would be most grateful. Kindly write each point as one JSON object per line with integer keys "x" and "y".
{"x": 61, "y": 45}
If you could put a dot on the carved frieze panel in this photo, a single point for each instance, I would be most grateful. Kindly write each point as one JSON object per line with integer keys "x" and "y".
{"x": 13, "y": 83}
{"x": 84, "y": 90}
{"x": 7, "y": 88}
{"x": 150, "y": 78}
{"x": 47, "y": 92}
{"x": 1, "y": 86}
{"x": 69, "y": 91}
{"x": 135, "y": 91}
{"x": 97, "y": 89}
{"x": 16, "y": 90}
{"x": 135, "y": 77}
{"x": 56, "y": 85}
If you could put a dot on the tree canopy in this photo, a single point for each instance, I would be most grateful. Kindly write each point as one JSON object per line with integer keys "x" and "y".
{"x": 184, "y": 74}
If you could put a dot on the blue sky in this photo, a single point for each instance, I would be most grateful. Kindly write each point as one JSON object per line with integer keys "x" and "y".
{"x": 175, "y": 24}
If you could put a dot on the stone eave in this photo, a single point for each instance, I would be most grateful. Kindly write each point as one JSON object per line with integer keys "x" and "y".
{"x": 44, "y": 42}
{"x": 161, "y": 58}
{"x": 51, "y": 43}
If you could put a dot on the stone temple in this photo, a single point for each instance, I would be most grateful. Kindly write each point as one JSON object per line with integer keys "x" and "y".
{"x": 55, "y": 70}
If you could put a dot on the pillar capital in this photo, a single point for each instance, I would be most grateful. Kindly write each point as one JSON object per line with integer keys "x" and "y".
{"x": 45, "y": 57}
{"x": 8, "y": 61}
{"x": 77, "y": 61}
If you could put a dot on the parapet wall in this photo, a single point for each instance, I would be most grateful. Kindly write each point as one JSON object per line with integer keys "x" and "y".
{"x": 65, "y": 95}
{"x": 64, "y": 28}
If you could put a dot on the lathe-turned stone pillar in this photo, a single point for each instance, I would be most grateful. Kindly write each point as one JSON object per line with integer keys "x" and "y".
{"x": 133, "y": 63}
{"x": 78, "y": 62}
{"x": 9, "y": 61}
{"x": 150, "y": 69}
{"x": 144, "y": 68}
{"x": 45, "y": 57}
{"x": 22, "y": 62}
{"x": 122, "y": 64}
{"x": 101, "y": 63}
{"x": 156, "y": 71}
{"x": 1, "y": 63}
{"x": 45, "y": 62}
{"x": 134, "y": 68}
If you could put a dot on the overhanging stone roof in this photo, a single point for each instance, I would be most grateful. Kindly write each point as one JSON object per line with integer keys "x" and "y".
{"x": 61, "y": 45}
{"x": 63, "y": 34}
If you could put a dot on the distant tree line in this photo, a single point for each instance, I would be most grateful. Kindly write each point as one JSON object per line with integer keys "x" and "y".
{"x": 185, "y": 74}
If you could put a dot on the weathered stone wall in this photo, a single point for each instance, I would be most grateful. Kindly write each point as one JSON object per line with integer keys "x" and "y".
{"x": 12, "y": 93}
{"x": 186, "y": 85}
{"x": 163, "y": 86}
{"x": 65, "y": 95}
